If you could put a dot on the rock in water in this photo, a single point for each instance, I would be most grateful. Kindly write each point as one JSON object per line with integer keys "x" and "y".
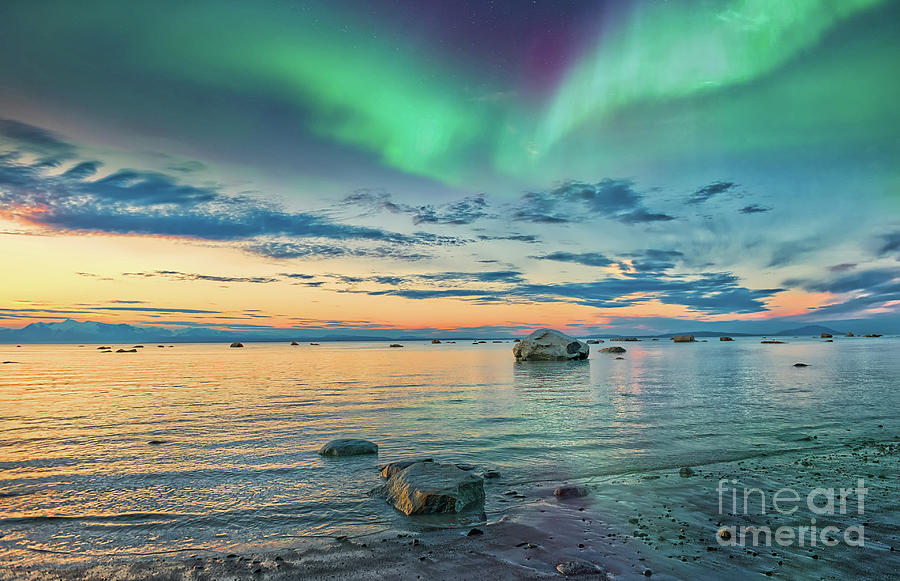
{"x": 725, "y": 339}
{"x": 801, "y": 364}
{"x": 348, "y": 447}
{"x": 433, "y": 488}
{"x": 294, "y": 343}
{"x": 579, "y": 567}
{"x": 825, "y": 336}
{"x": 570, "y": 492}
{"x": 435, "y": 341}
{"x": 236, "y": 344}
{"x": 614, "y": 349}
{"x": 683, "y": 338}
{"x": 686, "y": 472}
{"x": 390, "y": 469}
{"x": 549, "y": 345}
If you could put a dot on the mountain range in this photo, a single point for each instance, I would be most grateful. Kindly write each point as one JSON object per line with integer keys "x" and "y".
{"x": 71, "y": 331}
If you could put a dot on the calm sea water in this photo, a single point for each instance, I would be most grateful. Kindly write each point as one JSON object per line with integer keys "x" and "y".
{"x": 238, "y": 467}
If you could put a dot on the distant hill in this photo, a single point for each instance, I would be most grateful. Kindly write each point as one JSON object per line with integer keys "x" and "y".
{"x": 808, "y": 330}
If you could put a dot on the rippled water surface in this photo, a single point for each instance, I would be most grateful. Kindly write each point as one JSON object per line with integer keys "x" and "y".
{"x": 235, "y": 431}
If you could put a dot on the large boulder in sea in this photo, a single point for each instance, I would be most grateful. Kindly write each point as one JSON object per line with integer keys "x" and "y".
{"x": 683, "y": 338}
{"x": 434, "y": 488}
{"x": 348, "y": 447}
{"x": 550, "y": 345}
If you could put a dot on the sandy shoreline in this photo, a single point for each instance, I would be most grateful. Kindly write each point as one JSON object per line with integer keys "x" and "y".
{"x": 527, "y": 543}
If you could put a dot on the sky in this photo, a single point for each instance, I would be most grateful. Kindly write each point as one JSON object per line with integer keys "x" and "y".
{"x": 647, "y": 166}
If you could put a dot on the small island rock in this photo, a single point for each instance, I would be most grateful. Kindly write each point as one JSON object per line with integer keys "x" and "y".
{"x": 236, "y": 344}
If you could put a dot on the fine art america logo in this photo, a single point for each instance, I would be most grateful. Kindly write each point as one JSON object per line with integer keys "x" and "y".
{"x": 825, "y": 506}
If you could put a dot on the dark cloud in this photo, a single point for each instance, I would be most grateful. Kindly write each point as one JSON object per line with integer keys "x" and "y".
{"x": 753, "y": 209}
{"x": 867, "y": 280}
{"x": 506, "y": 276}
{"x": 712, "y": 293}
{"x": 890, "y": 244}
{"x": 585, "y": 258}
{"x": 575, "y": 201}
{"x": 34, "y": 138}
{"x": 529, "y": 238}
{"x": 148, "y": 203}
{"x": 464, "y": 211}
{"x": 176, "y": 275}
{"x": 709, "y": 191}
{"x": 315, "y": 250}
{"x": 842, "y": 267}
{"x": 652, "y": 260}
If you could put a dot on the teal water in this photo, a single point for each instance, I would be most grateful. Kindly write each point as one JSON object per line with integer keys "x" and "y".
{"x": 237, "y": 468}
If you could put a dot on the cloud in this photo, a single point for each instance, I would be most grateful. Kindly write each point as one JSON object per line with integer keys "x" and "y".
{"x": 585, "y": 258}
{"x": 845, "y": 266}
{"x": 890, "y": 243}
{"x": 176, "y": 275}
{"x": 711, "y": 293}
{"x": 709, "y": 191}
{"x": 34, "y": 139}
{"x": 285, "y": 250}
{"x": 529, "y": 238}
{"x": 867, "y": 280}
{"x": 464, "y": 211}
{"x": 150, "y": 203}
{"x": 576, "y": 201}
{"x": 653, "y": 260}
{"x": 753, "y": 209}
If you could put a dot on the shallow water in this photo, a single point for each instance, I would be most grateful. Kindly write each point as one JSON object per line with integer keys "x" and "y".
{"x": 237, "y": 467}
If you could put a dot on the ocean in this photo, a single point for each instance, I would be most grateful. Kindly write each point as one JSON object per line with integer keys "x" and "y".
{"x": 203, "y": 449}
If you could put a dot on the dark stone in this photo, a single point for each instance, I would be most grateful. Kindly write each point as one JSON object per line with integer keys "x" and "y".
{"x": 570, "y": 492}
{"x": 686, "y": 472}
{"x": 348, "y": 447}
{"x": 236, "y": 344}
{"x": 475, "y": 533}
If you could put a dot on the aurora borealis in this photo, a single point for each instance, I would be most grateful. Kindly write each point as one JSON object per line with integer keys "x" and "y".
{"x": 640, "y": 165}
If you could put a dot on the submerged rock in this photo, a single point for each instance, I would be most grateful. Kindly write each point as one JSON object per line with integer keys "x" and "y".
{"x": 550, "y": 345}
{"x": 801, "y": 364}
{"x": 613, "y": 349}
{"x": 771, "y": 342}
{"x": 126, "y": 350}
{"x": 348, "y": 447}
{"x": 686, "y": 472}
{"x": 592, "y": 341}
{"x": 395, "y": 345}
{"x": 849, "y": 335}
{"x": 103, "y": 347}
{"x": 624, "y": 339}
{"x": 294, "y": 343}
{"x": 579, "y": 567}
{"x": 434, "y": 488}
{"x": 236, "y": 344}
{"x": 570, "y": 492}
